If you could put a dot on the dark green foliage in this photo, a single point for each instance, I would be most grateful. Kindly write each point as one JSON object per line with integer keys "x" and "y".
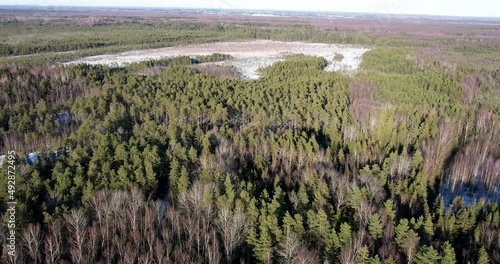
{"x": 427, "y": 255}
{"x": 448, "y": 254}
{"x": 483, "y": 256}
{"x": 389, "y": 60}
{"x": 212, "y": 58}
{"x": 375, "y": 227}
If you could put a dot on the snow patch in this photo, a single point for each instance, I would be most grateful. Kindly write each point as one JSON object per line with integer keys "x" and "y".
{"x": 32, "y": 157}
{"x": 470, "y": 194}
{"x": 248, "y": 56}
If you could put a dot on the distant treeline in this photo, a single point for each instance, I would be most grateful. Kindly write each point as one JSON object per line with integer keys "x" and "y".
{"x": 67, "y": 39}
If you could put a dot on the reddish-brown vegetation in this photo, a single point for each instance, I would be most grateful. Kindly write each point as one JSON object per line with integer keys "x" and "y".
{"x": 477, "y": 162}
{"x": 361, "y": 98}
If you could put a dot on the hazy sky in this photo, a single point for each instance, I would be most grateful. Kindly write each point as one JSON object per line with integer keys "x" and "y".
{"x": 486, "y": 8}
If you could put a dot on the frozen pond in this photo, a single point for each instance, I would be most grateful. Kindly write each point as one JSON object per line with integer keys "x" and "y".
{"x": 248, "y": 56}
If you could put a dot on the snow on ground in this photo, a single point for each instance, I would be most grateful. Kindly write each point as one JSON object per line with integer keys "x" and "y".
{"x": 248, "y": 56}
{"x": 469, "y": 194}
{"x": 31, "y": 157}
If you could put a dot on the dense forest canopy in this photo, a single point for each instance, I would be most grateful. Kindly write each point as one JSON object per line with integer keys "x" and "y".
{"x": 164, "y": 161}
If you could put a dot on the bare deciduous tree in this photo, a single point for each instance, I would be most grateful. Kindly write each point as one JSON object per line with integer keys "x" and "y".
{"x": 305, "y": 256}
{"x": 226, "y": 155}
{"x": 32, "y": 238}
{"x": 159, "y": 253}
{"x": 130, "y": 255}
{"x": 145, "y": 259}
{"x": 289, "y": 247}
{"x": 52, "y": 243}
{"x": 349, "y": 251}
{"x": 410, "y": 246}
{"x": 233, "y": 228}
{"x": 213, "y": 251}
{"x": 364, "y": 211}
{"x": 100, "y": 203}
{"x": 436, "y": 150}
{"x": 77, "y": 223}
{"x": 400, "y": 167}
{"x": 350, "y": 133}
{"x": 93, "y": 244}
{"x": 134, "y": 204}
{"x": 167, "y": 237}
{"x": 198, "y": 214}
{"x": 340, "y": 188}
{"x": 376, "y": 190}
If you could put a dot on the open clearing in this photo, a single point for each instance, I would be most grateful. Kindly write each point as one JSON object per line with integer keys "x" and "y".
{"x": 248, "y": 56}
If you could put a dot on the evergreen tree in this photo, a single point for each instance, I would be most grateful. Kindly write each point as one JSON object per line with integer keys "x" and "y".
{"x": 427, "y": 255}
{"x": 363, "y": 255}
{"x": 448, "y": 254}
{"x": 483, "y": 257}
{"x": 345, "y": 233}
{"x": 375, "y": 227}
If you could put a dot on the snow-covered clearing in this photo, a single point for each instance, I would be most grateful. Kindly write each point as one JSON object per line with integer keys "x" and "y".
{"x": 469, "y": 194}
{"x": 248, "y": 56}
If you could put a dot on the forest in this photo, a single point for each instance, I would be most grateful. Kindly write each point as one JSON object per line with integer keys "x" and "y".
{"x": 170, "y": 161}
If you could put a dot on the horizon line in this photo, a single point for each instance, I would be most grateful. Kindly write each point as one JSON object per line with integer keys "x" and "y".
{"x": 246, "y": 9}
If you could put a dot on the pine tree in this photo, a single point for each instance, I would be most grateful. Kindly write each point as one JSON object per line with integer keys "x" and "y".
{"x": 288, "y": 223}
{"x": 345, "y": 233}
{"x": 483, "y": 257}
{"x": 375, "y": 260}
{"x": 448, "y": 254}
{"x": 402, "y": 230}
{"x": 319, "y": 226}
{"x": 375, "y": 226}
{"x": 193, "y": 154}
{"x": 427, "y": 255}
{"x": 303, "y": 197}
{"x": 293, "y": 224}
{"x": 333, "y": 243}
{"x": 252, "y": 210}
{"x": 389, "y": 208}
{"x": 148, "y": 180}
{"x": 183, "y": 181}
{"x": 363, "y": 255}
{"x": 429, "y": 226}
{"x": 406, "y": 239}
{"x": 262, "y": 244}
{"x": 174, "y": 175}
{"x": 229, "y": 194}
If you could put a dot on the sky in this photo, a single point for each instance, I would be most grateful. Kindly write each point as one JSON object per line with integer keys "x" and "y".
{"x": 476, "y": 8}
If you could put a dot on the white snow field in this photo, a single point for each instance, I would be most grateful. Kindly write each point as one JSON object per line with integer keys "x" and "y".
{"x": 248, "y": 56}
